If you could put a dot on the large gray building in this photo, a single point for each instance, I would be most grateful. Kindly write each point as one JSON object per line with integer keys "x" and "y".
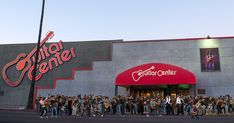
{"x": 93, "y": 67}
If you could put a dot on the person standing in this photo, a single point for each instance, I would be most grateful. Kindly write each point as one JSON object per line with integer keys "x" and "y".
{"x": 140, "y": 105}
{"x": 69, "y": 106}
{"x": 168, "y": 105}
{"x": 38, "y": 106}
{"x": 179, "y": 105}
{"x": 153, "y": 105}
{"x": 194, "y": 111}
{"x": 54, "y": 106}
{"x": 43, "y": 110}
{"x": 74, "y": 106}
{"x": 114, "y": 105}
{"x": 122, "y": 105}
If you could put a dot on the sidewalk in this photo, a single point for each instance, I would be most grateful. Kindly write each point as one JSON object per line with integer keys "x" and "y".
{"x": 214, "y": 114}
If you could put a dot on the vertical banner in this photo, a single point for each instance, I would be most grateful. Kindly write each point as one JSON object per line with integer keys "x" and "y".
{"x": 209, "y": 59}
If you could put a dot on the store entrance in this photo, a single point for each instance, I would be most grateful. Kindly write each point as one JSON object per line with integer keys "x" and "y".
{"x": 159, "y": 90}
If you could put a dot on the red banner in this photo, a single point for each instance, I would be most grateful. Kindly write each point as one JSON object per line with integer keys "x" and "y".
{"x": 155, "y": 74}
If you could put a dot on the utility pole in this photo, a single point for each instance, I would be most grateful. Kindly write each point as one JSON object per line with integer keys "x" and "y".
{"x": 32, "y": 87}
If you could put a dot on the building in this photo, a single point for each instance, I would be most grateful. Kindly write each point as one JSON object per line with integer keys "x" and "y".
{"x": 196, "y": 66}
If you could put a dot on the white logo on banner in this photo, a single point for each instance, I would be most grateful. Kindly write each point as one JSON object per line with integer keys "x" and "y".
{"x": 137, "y": 75}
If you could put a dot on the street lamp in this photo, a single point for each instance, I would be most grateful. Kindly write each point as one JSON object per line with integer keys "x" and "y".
{"x": 32, "y": 87}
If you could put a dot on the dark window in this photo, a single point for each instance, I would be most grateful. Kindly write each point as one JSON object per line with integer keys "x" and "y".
{"x": 201, "y": 91}
{"x": 1, "y": 93}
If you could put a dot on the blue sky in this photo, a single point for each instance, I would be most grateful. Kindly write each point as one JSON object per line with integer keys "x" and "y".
{"x": 85, "y": 20}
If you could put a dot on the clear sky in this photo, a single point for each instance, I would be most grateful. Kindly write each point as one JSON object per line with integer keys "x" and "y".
{"x": 85, "y": 20}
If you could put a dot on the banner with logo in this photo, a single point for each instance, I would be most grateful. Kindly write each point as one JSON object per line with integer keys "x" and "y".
{"x": 155, "y": 74}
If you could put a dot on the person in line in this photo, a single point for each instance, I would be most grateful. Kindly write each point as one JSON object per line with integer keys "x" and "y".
{"x": 168, "y": 105}
{"x": 194, "y": 112}
{"x": 179, "y": 105}
{"x": 43, "y": 110}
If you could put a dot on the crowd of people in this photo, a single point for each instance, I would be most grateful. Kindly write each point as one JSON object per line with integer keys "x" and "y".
{"x": 91, "y": 106}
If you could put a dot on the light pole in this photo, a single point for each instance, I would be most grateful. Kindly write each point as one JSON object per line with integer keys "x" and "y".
{"x": 32, "y": 87}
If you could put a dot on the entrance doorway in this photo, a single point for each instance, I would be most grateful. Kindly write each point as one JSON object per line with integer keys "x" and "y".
{"x": 159, "y": 90}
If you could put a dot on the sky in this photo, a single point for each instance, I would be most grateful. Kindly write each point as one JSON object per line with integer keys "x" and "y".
{"x": 129, "y": 20}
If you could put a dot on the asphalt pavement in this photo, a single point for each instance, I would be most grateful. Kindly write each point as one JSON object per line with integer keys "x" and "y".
{"x": 26, "y": 116}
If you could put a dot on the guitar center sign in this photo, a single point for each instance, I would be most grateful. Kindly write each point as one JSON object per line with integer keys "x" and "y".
{"x": 49, "y": 57}
{"x": 151, "y": 72}
{"x": 155, "y": 74}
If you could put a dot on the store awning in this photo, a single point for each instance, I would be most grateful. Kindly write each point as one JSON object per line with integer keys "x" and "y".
{"x": 155, "y": 74}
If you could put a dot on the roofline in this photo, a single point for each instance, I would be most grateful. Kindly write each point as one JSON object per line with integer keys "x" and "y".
{"x": 178, "y": 39}
{"x": 129, "y": 41}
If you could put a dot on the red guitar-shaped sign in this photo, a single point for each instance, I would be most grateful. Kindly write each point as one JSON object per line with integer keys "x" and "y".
{"x": 137, "y": 75}
{"x": 23, "y": 63}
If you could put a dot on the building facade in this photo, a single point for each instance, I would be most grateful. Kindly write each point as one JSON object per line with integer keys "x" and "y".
{"x": 92, "y": 67}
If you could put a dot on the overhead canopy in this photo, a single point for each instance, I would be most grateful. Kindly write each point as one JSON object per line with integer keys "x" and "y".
{"x": 155, "y": 74}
